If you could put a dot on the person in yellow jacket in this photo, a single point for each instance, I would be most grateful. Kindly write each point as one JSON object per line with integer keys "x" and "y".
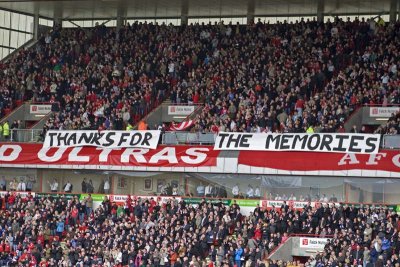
{"x": 381, "y": 22}
{"x": 129, "y": 127}
{"x": 310, "y": 130}
{"x": 6, "y": 130}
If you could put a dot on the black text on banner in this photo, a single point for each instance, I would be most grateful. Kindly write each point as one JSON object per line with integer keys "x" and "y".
{"x": 317, "y": 142}
{"x": 106, "y": 139}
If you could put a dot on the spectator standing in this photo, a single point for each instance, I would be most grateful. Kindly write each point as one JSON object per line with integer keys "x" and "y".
{"x": 250, "y": 191}
{"x": 84, "y": 186}
{"x": 89, "y": 205}
{"x": 13, "y": 184}
{"x": 89, "y": 186}
{"x": 3, "y": 183}
{"x": 60, "y": 228}
{"x": 6, "y": 130}
{"x": 29, "y": 184}
{"x": 200, "y": 190}
{"x": 14, "y": 127}
{"x": 106, "y": 186}
{"x": 235, "y": 190}
{"x": 53, "y": 186}
{"x": 68, "y": 187}
{"x": 21, "y": 185}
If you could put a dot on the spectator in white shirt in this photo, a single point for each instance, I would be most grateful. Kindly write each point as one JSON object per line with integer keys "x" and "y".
{"x": 68, "y": 187}
{"x": 235, "y": 191}
{"x": 257, "y": 192}
{"x": 250, "y": 191}
{"x": 21, "y": 186}
{"x": 53, "y": 186}
{"x": 292, "y": 197}
{"x": 106, "y": 186}
{"x": 200, "y": 190}
{"x": 208, "y": 190}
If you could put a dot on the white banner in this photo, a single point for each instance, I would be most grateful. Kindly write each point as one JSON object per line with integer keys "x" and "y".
{"x": 180, "y": 110}
{"x": 313, "y": 243}
{"x": 383, "y": 112}
{"x": 39, "y": 109}
{"x": 105, "y": 139}
{"x": 317, "y": 142}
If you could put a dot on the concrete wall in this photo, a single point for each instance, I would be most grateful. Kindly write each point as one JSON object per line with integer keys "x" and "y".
{"x": 361, "y": 117}
{"x": 354, "y": 119}
{"x": 292, "y": 248}
{"x": 284, "y": 252}
{"x": 160, "y": 115}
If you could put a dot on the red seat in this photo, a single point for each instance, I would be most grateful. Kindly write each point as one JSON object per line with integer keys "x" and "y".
{"x": 18, "y": 103}
{"x": 7, "y": 111}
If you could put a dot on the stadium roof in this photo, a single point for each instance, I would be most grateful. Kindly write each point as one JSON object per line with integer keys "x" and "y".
{"x": 107, "y": 9}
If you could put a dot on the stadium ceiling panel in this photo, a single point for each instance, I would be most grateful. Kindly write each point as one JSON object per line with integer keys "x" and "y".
{"x": 103, "y": 9}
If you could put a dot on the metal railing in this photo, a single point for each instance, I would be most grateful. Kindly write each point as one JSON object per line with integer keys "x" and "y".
{"x": 391, "y": 141}
{"x": 175, "y": 138}
{"x": 24, "y": 135}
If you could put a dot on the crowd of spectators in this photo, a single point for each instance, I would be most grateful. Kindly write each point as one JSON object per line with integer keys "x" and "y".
{"x": 54, "y": 231}
{"x": 304, "y": 76}
{"x": 392, "y": 126}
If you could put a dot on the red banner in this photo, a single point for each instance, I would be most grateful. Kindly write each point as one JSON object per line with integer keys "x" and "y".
{"x": 163, "y": 156}
{"x": 385, "y": 160}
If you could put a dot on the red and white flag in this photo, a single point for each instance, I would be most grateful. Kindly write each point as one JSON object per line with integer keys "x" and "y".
{"x": 181, "y": 126}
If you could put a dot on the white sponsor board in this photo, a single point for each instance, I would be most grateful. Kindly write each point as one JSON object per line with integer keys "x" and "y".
{"x": 106, "y": 139}
{"x": 122, "y": 198}
{"x": 39, "y": 109}
{"x": 383, "y": 112}
{"x": 313, "y": 243}
{"x": 180, "y": 110}
{"x": 317, "y": 142}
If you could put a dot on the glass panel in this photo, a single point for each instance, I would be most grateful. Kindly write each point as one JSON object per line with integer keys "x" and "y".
{"x": 46, "y": 22}
{"x": 14, "y": 39}
{"x": 21, "y": 39}
{"x": 98, "y": 21}
{"x": 6, "y": 51}
{"x": 14, "y": 21}
{"x": 4, "y": 37}
{"x": 111, "y": 23}
{"x": 22, "y": 23}
{"x": 29, "y": 24}
{"x": 1, "y": 17}
{"x": 88, "y": 23}
{"x": 6, "y": 21}
{"x": 175, "y": 22}
{"x": 67, "y": 24}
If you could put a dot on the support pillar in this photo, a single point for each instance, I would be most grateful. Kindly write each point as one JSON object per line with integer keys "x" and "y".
{"x": 121, "y": 14}
{"x": 393, "y": 11}
{"x": 36, "y": 24}
{"x": 320, "y": 11}
{"x": 184, "y": 12}
{"x": 58, "y": 17}
{"x": 250, "y": 12}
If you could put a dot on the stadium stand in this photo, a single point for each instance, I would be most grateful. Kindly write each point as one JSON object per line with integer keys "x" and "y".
{"x": 148, "y": 232}
{"x": 283, "y": 77}
{"x": 303, "y": 77}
